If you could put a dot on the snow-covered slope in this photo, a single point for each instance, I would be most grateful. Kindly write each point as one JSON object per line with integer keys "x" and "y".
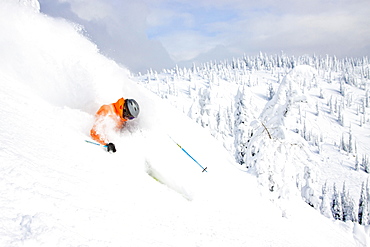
{"x": 57, "y": 190}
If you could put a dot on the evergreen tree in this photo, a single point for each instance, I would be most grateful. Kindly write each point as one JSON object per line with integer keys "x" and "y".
{"x": 321, "y": 94}
{"x": 363, "y": 107}
{"x": 350, "y": 142}
{"x": 363, "y": 210}
{"x": 331, "y": 105}
{"x": 218, "y": 120}
{"x": 240, "y": 131}
{"x": 336, "y": 205}
{"x": 366, "y": 164}
{"x": 340, "y": 115}
{"x": 270, "y": 92}
{"x": 272, "y": 183}
{"x": 343, "y": 145}
{"x": 204, "y": 107}
{"x": 342, "y": 88}
{"x": 317, "y": 109}
{"x": 357, "y": 163}
{"x": 348, "y": 205}
{"x": 358, "y": 109}
{"x": 307, "y": 192}
{"x": 230, "y": 120}
{"x": 325, "y": 203}
{"x": 368, "y": 199}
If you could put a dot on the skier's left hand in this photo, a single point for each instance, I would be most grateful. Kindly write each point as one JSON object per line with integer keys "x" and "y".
{"x": 111, "y": 148}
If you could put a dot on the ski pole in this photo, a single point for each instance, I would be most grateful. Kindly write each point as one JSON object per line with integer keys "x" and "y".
{"x": 204, "y": 169}
{"x": 96, "y": 143}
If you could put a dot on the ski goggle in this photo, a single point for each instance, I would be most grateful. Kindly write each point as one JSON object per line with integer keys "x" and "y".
{"x": 127, "y": 115}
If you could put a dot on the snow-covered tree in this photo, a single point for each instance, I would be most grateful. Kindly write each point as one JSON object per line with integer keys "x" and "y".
{"x": 307, "y": 191}
{"x": 230, "y": 119}
{"x": 357, "y": 163}
{"x": 363, "y": 210}
{"x": 366, "y": 163}
{"x": 317, "y": 109}
{"x": 343, "y": 144}
{"x": 321, "y": 94}
{"x": 271, "y": 180}
{"x": 342, "y": 89}
{"x": 350, "y": 141}
{"x": 270, "y": 92}
{"x": 348, "y": 205}
{"x": 325, "y": 203}
{"x": 241, "y": 131}
{"x": 200, "y": 109}
{"x": 330, "y": 104}
{"x": 336, "y": 205}
{"x": 340, "y": 115}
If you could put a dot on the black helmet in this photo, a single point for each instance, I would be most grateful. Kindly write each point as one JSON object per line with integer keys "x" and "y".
{"x": 131, "y": 109}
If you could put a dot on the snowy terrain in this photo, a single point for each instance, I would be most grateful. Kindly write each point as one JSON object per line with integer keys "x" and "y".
{"x": 58, "y": 190}
{"x": 300, "y": 125}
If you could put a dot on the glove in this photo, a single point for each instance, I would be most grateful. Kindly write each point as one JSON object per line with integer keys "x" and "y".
{"x": 111, "y": 148}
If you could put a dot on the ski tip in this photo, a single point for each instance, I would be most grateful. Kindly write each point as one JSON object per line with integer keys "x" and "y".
{"x": 205, "y": 170}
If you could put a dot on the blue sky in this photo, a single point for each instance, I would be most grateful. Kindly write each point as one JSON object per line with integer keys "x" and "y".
{"x": 158, "y": 34}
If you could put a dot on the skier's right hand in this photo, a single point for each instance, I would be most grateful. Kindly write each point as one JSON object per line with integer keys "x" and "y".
{"x": 111, "y": 148}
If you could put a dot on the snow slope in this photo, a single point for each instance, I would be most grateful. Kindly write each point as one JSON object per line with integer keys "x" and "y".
{"x": 57, "y": 190}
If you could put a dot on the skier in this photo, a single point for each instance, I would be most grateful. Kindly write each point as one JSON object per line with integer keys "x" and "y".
{"x": 113, "y": 116}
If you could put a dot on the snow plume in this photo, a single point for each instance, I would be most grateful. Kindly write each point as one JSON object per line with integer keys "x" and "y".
{"x": 273, "y": 155}
{"x": 33, "y": 4}
{"x": 58, "y": 66}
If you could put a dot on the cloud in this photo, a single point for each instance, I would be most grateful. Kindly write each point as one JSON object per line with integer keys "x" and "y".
{"x": 337, "y": 33}
{"x": 155, "y": 34}
{"x": 89, "y": 10}
{"x": 188, "y": 30}
{"x": 321, "y": 27}
{"x": 118, "y": 27}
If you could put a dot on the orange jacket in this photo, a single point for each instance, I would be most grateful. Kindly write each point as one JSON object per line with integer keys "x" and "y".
{"x": 108, "y": 116}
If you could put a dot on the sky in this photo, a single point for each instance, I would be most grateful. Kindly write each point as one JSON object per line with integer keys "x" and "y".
{"x": 159, "y": 34}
